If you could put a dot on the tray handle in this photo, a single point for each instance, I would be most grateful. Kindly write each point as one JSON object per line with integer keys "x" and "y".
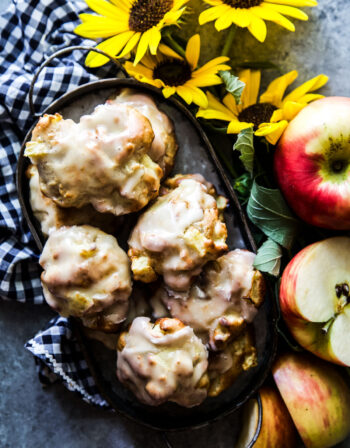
{"x": 253, "y": 440}
{"x": 60, "y": 53}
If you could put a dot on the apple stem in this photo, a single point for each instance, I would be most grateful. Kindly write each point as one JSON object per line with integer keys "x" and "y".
{"x": 328, "y": 325}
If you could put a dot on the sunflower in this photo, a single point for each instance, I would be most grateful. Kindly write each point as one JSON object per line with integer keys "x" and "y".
{"x": 252, "y": 13}
{"x": 174, "y": 74}
{"x": 127, "y": 24}
{"x": 270, "y": 115}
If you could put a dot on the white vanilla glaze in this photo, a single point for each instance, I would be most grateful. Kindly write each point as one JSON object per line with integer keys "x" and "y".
{"x": 160, "y": 366}
{"x": 222, "y": 292}
{"x": 178, "y": 234}
{"x": 164, "y": 145}
{"x": 102, "y": 160}
{"x": 85, "y": 273}
{"x": 51, "y": 217}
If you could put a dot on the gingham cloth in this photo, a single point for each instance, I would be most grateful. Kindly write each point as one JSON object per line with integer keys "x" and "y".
{"x": 30, "y": 31}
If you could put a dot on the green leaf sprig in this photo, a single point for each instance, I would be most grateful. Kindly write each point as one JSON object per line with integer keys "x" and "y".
{"x": 268, "y": 258}
{"x": 244, "y": 144}
{"x": 232, "y": 84}
{"x": 269, "y": 212}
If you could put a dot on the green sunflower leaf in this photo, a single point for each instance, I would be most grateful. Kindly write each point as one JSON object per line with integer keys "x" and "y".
{"x": 268, "y": 210}
{"x": 268, "y": 258}
{"x": 232, "y": 84}
{"x": 244, "y": 144}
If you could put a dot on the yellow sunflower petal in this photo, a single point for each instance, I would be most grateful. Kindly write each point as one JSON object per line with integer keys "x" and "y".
{"x": 139, "y": 71}
{"x": 192, "y": 50}
{"x": 213, "y": 13}
{"x": 178, "y": 3}
{"x": 310, "y": 97}
{"x": 105, "y": 8}
{"x": 276, "y": 116}
{"x": 112, "y": 46}
{"x": 125, "y": 5}
{"x": 213, "y": 2}
{"x": 230, "y": 103}
{"x": 297, "y": 3}
{"x": 154, "y": 40}
{"x": 251, "y": 79}
{"x": 199, "y": 97}
{"x": 289, "y": 11}
{"x": 241, "y": 17}
{"x": 213, "y": 63}
{"x": 272, "y": 131}
{"x": 236, "y": 126}
{"x": 273, "y": 16}
{"x": 97, "y": 26}
{"x": 171, "y": 17}
{"x": 309, "y": 86}
{"x": 215, "y": 104}
{"x": 257, "y": 28}
{"x": 143, "y": 45}
{"x": 223, "y": 22}
{"x": 291, "y": 109}
{"x": 167, "y": 51}
{"x": 213, "y": 114}
{"x": 276, "y": 89}
{"x": 149, "y": 61}
{"x": 168, "y": 91}
{"x": 185, "y": 93}
{"x": 130, "y": 45}
{"x": 205, "y": 81}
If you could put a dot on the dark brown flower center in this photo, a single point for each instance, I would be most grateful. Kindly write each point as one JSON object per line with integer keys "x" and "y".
{"x": 243, "y": 4}
{"x": 144, "y": 14}
{"x": 257, "y": 114}
{"x": 173, "y": 72}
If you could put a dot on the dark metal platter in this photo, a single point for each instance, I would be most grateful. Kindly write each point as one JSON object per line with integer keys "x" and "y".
{"x": 195, "y": 155}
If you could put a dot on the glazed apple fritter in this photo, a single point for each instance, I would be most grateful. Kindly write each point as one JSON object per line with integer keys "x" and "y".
{"x": 86, "y": 275}
{"x": 164, "y": 145}
{"x": 103, "y": 160}
{"x": 163, "y": 361}
{"x": 179, "y": 233}
{"x": 220, "y": 302}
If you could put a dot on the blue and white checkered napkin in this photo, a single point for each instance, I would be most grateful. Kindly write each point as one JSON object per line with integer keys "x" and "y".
{"x": 30, "y": 31}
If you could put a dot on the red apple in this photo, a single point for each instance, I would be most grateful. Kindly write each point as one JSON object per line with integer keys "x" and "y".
{"x": 277, "y": 428}
{"x": 312, "y": 163}
{"x": 317, "y": 398}
{"x": 315, "y": 299}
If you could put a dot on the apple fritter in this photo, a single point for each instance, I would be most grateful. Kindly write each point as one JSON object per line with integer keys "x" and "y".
{"x": 221, "y": 301}
{"x": 164, "y": 145}
{"x": 225, "y": 366}
{"x": 163, "y": 361}
{"x": 51, "y": 217}
{"x": 86, "y": 275}
{"x": 103, "y": 160}
{"x": 182, "y": 230}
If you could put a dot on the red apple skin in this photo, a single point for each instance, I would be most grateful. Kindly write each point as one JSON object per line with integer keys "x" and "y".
{"x": 318, "y": 200}
{"x": 277, "y": 428}
{"x": 317, "y": 398}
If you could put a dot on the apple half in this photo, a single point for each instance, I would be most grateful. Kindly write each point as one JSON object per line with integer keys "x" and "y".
{"x": 315, "y": 299}
{"x": 312, "y": 163}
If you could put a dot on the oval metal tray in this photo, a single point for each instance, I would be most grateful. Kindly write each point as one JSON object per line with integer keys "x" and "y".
{"x": 195, "y": 155}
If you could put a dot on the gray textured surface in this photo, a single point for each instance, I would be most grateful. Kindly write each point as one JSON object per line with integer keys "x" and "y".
{"x": 33, "y": 417}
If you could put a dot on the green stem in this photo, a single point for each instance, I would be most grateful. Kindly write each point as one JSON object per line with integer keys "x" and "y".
{"x": 229, "y": 41}
{"x": 174, "y": 45}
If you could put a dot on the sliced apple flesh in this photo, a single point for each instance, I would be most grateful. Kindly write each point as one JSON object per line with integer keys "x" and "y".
{"x": 315, "y": 298}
